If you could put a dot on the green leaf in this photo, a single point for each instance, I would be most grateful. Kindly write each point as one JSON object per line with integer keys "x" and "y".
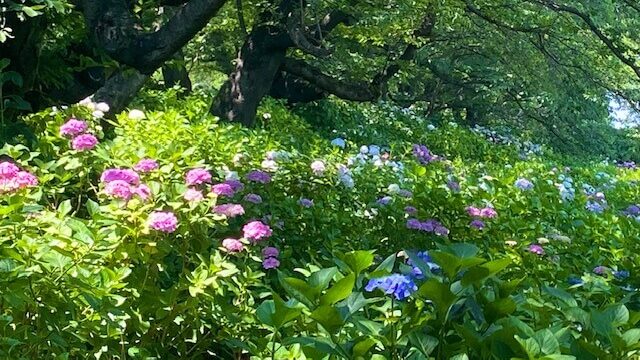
{"x": 547, "y": 341}
{"x": 385, "y": 267}
{"x": 358, "y": 260}
{"x": 439, "y": 293}
{"x": 530, "y": 346}
{"x": 329, "y": 317}
{"x": 321, "y": 278}
{"x": 477, "y": 274}
{"x": 339, "y": 291}
{"x": 561, "y": 294}
{"x": 423, "y": 342}
{"x": 631, "y": 337}
{"x": 299, "y": 290}
{"x": 64, "y": 208}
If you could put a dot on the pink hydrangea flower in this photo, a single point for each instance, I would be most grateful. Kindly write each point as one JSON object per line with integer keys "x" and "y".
{"x": 25, "y": 179}
{"x": 229, "y": 210}
{"x": 256, "y": 230}
{"x": 118, "y": 189}
{"x": 232, "y": 245}
{"x": 142, "y": 191}
{"x": 163, "y": 221}
{"x": 146, "y": 165}
{"x": 270, "y": 251}
{"x": 270, "y": 263}
{"x": 73, "y": 127}
{"x": 127, "y": 175}
{"x": 193, "y": 195}
{"x": 536, "y": 249}
{"x": 259, "y": 176}
{"x": 8, "y": 170}
{"x": 84, "y": 142}
{"x": 222, "y": 190}
{"x": 473, "y": 211}
{"x": 488, "y": 213}
{"x": 197, "y": 177}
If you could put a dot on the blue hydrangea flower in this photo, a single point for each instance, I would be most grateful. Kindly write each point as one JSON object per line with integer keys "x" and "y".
{"x": 424, "y": 256}
{"x": 574, "y": 280}
{"x": 524, "y": 184}
{"x": 401, "y": 286}
{"x": 621, "y": 274}
{"x": 594, "y": 207}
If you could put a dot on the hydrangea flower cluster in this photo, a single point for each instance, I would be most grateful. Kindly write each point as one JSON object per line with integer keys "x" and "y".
{"x": 423, "y": 155}
{"x": 306, "y": 203}
{"x": 98, "y": 108}
{"x": 318, "y": 168}
{"x": 253, "y": 198}
{"x": 229, "y": 210}
{"x": 256, "y": 231}
{"x": 430, "y": 225}
{"x": 536, "y": 249}
{"x": 163, "y": 221}
{"x": 76, "y": 130}
{"x": 197, "y": 176}
{"x": 486, "y": 212}
{"x": 566, "y": 189}
{"x": 270, "y": 258}
{"x": 233, "y": 245}
{"x": 524, "y": 184}
{"x": 123, "y": 184}
{"x": 13, "y": 179}
{"x": 398, "y": 285}
{"x": 259, "y": 176}
{"x": 596, "y": 202}
{"x": 146, "y": 165}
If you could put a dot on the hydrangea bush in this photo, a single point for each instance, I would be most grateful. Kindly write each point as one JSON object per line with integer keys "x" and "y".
{"x": 180, "y": 237}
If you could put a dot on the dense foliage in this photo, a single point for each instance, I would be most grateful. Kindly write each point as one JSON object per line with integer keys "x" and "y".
{"x": 378, "y": 234}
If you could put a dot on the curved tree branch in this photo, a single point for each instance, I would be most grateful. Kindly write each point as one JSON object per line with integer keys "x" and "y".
{"x": 295, "y": 29}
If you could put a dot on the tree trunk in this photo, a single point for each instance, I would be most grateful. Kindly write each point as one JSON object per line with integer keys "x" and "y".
{"x": 257, "y": 65}
{"x": 120, "y": 89}
{"x": 175, "y": 73}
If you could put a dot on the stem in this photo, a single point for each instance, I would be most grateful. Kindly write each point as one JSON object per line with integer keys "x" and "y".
{"x": 273, "y": 345}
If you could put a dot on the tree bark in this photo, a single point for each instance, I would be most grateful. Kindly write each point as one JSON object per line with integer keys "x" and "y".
{"x": 120, "y": 89}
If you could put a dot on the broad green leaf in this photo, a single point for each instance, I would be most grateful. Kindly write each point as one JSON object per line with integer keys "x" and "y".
{"x": 339, "y": 291}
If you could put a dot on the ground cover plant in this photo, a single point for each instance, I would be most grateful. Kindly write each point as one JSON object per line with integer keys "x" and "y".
{"x": 382, "y": 234}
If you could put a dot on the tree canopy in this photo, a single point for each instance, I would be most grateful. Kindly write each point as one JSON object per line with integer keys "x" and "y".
{"x": 554, "y": 65}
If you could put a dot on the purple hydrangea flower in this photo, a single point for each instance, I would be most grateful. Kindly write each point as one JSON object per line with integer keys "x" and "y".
{"x": 423, "y": 155}
{"x": 424, "y": 256}
{"x": 410, "y": 210}
{"x": 488, "y": 213}
{"x": 473, "y": 211}
{"x": 478, "y": 224}
{"x": 307, "y": 203}
{"x": 142, "y": 191}
{"x": 259, "y": 177}
{"x": 253, "y": 198}
{"x": 441, "y": 230}
{"x": 270, "y": 251}
{"x": 270, "y": 263}
{"x": 222, "y": 190}
{"x": 8, "y": 170}
{"x": 600, "y": 270}
{"x": 453, "y": 186}
{"x": 385, "y": 200}
{"x": 236, "y": 185}
{"x": 414, "y": 224}
{"x": 401, "y": 286}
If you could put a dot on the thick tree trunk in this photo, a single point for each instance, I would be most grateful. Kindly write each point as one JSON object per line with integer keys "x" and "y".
{"x": 257, "y": 66}
{"x": 120, "y": 89}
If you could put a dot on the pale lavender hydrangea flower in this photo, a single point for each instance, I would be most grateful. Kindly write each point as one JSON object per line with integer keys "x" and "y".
{"x": 318, "y": 167}
{"x": 232, "y": 245}
{"x": 410, "y": 210}
{"x": 193, "y": 195}
{"x": 536, "y": 249}
{"x": 142, "y": 191}
{"x": 229, "y": 210}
